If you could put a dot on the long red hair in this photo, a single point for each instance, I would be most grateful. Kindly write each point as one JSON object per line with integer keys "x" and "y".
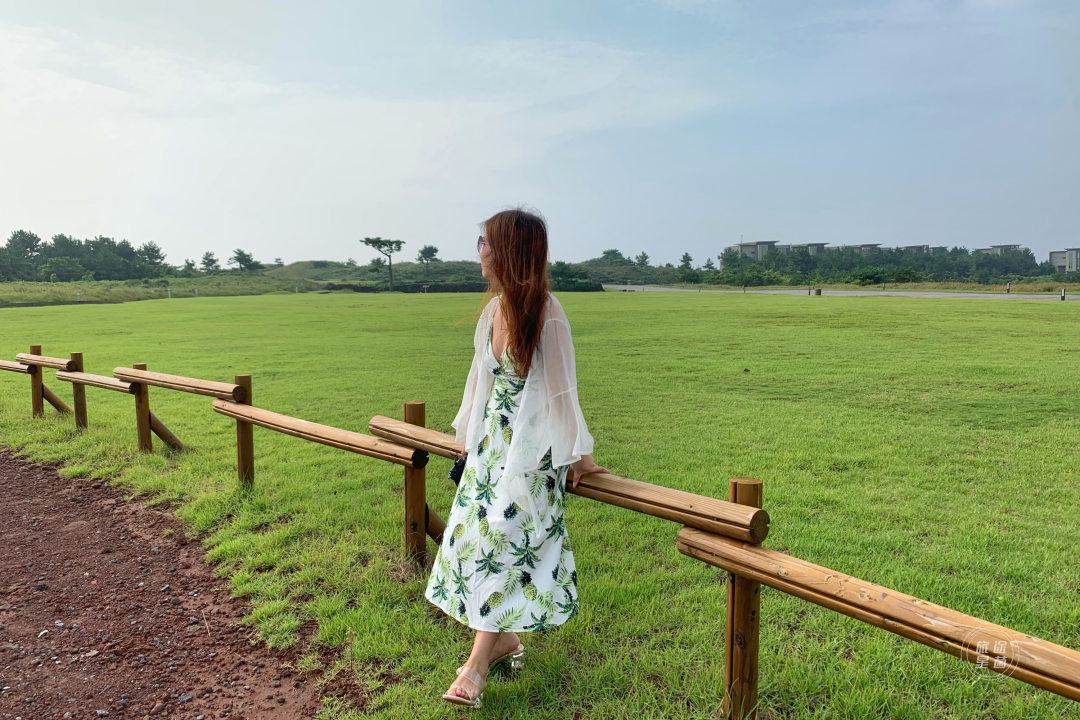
{"x": 519, "y": 253}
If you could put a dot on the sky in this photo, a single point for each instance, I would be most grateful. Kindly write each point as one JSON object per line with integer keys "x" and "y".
{"x": 295, "y": 129}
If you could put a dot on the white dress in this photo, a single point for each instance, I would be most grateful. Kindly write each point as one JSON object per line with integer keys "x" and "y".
{"x": 505, "y": 563}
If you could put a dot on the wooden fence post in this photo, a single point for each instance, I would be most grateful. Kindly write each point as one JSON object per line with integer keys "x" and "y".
{"x": 37, "y": 393}
{"x": 245, "y": 439}
{"x": 78, "y": 393}
{"x": 741, "y": 638}
{"x": 416, "y": 518}
{"x": 142, "y": 414}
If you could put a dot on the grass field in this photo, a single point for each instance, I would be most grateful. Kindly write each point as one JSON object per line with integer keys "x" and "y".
{"x": 927, "y": 445}
{"x": 128, "y": 291}
{"x": 1048, "y": 287}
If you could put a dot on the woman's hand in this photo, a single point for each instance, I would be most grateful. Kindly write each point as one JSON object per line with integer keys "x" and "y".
{"x": 584, "y": 466}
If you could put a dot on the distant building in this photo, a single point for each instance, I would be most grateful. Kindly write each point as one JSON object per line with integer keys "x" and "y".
{"x": 998, "y": 249}
{"x": 756, "y": 250}
{"x": 922, "y": 249}
{"x": 863, "y": 247}
{"x": 1066, "y": 261}
{"x": 811, "y": 248}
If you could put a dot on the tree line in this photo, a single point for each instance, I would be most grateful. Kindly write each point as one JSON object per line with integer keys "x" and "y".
{"x": 25, "y": 256}
{"x": 839, "y": 265}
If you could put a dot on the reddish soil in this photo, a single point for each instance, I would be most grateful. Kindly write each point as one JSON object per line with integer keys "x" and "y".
{"x": 103, "y": 615}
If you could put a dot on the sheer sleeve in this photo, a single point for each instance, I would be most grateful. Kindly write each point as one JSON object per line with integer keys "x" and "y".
{"x": 570, "y": 438}
{"x": 462, "y": 419}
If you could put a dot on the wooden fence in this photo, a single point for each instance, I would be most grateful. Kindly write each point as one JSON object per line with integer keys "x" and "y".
{"x": 724, "y": 533}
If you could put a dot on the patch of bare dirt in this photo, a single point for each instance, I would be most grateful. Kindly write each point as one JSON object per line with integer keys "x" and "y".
{"x": 102, "y": 615}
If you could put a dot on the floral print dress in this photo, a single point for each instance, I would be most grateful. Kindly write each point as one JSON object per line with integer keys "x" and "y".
{"x": 501, "y": 568}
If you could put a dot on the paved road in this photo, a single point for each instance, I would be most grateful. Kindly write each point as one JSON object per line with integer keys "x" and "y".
{"x": 862, "y": 293}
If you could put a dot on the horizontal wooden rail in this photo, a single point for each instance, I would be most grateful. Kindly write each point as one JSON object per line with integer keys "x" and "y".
{"x": 43, "y": 361}
{"x": 17, "y": 367}
{"x": 225, "y": 391}
{"x": 433, "y": 441}
{"x": 1032, "y": 660}
{"x": 98, "y": 381}
{"x": 325, "y": 435}
{"x": 719, "y": 516}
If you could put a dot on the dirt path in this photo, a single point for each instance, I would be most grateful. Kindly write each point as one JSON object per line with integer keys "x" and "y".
{"x": 106, "y": 613}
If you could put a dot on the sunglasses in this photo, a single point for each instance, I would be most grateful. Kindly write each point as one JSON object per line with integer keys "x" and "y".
{"x": 480, "y": 243}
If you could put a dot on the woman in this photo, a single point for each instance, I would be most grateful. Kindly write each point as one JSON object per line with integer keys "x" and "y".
{"x": 505, "y": 564}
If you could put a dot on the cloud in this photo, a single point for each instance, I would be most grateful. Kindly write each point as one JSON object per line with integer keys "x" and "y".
{"x": 193, "y": 151}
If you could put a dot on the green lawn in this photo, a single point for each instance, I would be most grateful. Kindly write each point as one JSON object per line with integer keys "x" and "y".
{"x": 926, "y": 445}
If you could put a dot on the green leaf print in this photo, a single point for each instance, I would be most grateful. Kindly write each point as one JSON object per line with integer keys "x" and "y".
{"x": 497, "y": 540}
{"x": 466, "y": 550}
{"x": 485, "y": 492}
{"x": 492, "y": 460}
{"x": 545, "y": 602}
{"x": 570, "y": 606}
{"x": 512, "y": 582}
{"x": 558, "y": 527}
{"x": 484, "y": 442}
{"x": 488, "y": 564}
{"x": 525, "y": 553}
{"x": 563, "y": 580}
{"x": 510, "y": 618}
{"x": 536, "y": 485}
{"x": 444, "y": 564}
{"x": 526, "y": 526}
{"x": 461, "y": 583}
{"x": 539, "y": 624}
{"x": 438, "y": 592}
{"x": 494, "y": 423}
{"x": 505, "y": 400}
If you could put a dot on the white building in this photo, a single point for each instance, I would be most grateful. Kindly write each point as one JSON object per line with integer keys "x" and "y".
{"x": 998, "y": 249}
{"x": 756, "y": 250}
{"x": 1066, "y": 261}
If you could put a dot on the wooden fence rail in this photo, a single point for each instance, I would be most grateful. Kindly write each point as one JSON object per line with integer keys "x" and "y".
{"x": 16, "y": 367}
{"x": 725, "y": 534}
{"x": 725, "y": 518}
{"x": 728, "y": 535}
{"x": 324, "y": 434}
{"x": 225, "y": 391}
{"x": 1028, "y": 658}
{"x": 99, "y": 381}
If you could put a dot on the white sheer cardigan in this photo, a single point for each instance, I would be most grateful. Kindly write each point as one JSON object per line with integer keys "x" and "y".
{"x": 548, "y": 416}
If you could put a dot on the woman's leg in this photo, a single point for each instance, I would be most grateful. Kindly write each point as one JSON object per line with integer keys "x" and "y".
{"x": 487, "y": 645}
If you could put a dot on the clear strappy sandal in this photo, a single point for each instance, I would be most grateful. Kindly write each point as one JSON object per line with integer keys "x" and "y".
{"x": 478, "y": 682}
{"x": 516, "y": 658}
